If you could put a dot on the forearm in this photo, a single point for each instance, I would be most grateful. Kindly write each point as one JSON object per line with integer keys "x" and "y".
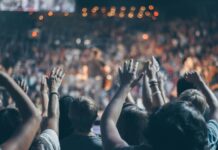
{"x": 24, "y": 136}
{"x": 23, "y": 102}
{"x": 163, "y": 93}
{"x": 109, "y": 131}
{"x": 53, "y": 112}
{"x": 114, "y": 108}
{"x": 156, "y": 96}
{"x": 210, "y": 96}
{"x": 146, "y": 94}
{"x": 45, "y": 100}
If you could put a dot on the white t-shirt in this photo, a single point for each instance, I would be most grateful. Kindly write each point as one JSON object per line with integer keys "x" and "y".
{"x": 47, "y": 140}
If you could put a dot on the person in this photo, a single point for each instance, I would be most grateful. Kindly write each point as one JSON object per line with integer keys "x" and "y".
{"x": 183, "y": 85}
{"x": 82, "y": 114}
{"x": 110, "y": 134}
{"x": 65, "y": 128}
{"x": 177, "y": 125}
{"x": 48, "y": 139}
{"x": 17, "y": 128}
{"x": 132, "y": 124}
{"x": 212, "y": 102}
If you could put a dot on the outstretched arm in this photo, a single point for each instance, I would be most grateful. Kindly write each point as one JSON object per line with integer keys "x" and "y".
{"x": 54, "y": 83}
{"x": 146, "y": 94}
{"x": 24, "y": 136}
{"x": 212, "y": 101}
{"x": 44, "y": 94}
{"x": 157, "y": 98}
{"x": 110, "y": 135}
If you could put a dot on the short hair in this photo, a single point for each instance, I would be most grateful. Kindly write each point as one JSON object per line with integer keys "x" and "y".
{"x": 183, "y": 85}
{"x": 10, "y": 120}
{"x": 177, "y": 126}
{"x": 196, "y": 98}
{"x": 65, "y": 128}
{"x": 132, "y": 124}
{"x": 82, "y": 113}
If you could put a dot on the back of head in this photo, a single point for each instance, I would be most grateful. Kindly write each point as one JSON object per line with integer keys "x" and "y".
{"x": 177, "y": 126}
{"x": 82, "y": 114}
{"x": 65, "y": 128}
{"x": 196, "y": 98}
{"x": 132, "y": 123}
{"x": 10, "y": 120}
{"x": 183, "y": 85}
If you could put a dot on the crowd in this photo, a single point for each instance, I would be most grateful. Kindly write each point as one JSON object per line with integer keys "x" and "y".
{"x": 91, "y": 57}
{"x": 109, "y": 85}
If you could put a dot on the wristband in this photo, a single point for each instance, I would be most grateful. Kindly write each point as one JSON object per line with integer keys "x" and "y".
{"x": 55, "y": 93}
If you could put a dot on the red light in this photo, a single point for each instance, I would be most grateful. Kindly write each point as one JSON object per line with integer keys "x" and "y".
{"x": 34, "y": 34}
{"x": 156, "y": 13}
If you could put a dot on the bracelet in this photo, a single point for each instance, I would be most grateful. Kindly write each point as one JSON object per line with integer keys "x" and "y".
{"x": 157, "y": 92}
{"x": 153, "y": 83}
{"x": 55, "y": 93}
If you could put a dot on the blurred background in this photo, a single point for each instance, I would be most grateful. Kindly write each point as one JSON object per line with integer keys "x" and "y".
{"x": 90, "y": 39}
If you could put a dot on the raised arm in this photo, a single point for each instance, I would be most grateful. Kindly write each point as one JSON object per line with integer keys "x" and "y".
{"x": 110, "y": 135}
{"x": 212, "y": 101}
{"x": 24, "y": 136}
{"x": 157, "y": 98}
{"x": 54, "y": 83}
{"x": 146, "y": 94}
{"x": 44, "y": 95}
{"x": 161, "y": 81}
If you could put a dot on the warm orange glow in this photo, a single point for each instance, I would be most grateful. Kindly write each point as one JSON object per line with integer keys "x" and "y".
{"x": 145, "y": 36}
{"x": 84, "y": 10}
{"x": 151, "y": 7}
{"x": 85, "y": 14}
{"x": 156, "y": 13}
{"x": 143, "y": 8}
{"x": 34, "y": 34}
{"x": 50, "y": 13}
{"x": 66, "y": 14}
{"x": 41, "y": 17}
{"x": 131, "y": 15}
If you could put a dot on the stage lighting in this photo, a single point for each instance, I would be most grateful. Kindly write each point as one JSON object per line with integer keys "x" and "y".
{"x": 145, "y": 36}
{"x": 156, "y": 13}
{"x": 151, "y": 7}
{"x": 41, "y": 17}
{"x": 50, "y": 13}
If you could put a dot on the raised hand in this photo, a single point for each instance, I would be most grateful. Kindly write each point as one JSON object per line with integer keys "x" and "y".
{"x": 55, "y": 79}
{"x": 44, "y": 85}
{"x": 193, "y": 77}
{"x": 152, "y": 68}
{"x": 128, "y": 73}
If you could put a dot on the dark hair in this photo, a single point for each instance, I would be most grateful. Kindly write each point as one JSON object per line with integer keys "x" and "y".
{"x": 82, "y": 113}
{"x": 183, "y": 85}
{"x": 177, "y": 126}
{"x": 65, "y": 128}
{"x": 132, "y": 123}
{"x": 196, "y": 98}
{"x": 10, "y": 120}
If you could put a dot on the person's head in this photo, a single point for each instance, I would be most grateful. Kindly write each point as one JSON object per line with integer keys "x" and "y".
{"x": 196, "y": 98}
{"x": 132, "y": 123}
{"x": 177, "y": 126}
{"x": 82, "y": 114}
{"x": 65, "y": 128}
{"x": 183, "y": 85}
{"x": 10, "y": 120}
